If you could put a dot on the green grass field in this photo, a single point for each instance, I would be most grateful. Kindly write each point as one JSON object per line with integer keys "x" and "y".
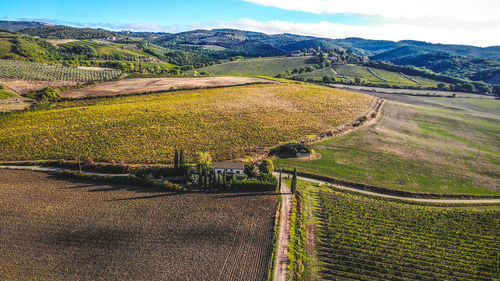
{"x": 340, "y": 236}
{"x": 259, "y": 67}
{"x": 5, "y": 48}
{"x": 228, "y": 122}
{"x": 418, "y": 149}
{"x": 4, "y": 94}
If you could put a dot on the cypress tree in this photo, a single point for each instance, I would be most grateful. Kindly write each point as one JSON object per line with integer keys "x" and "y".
{"x": 181, "y": 160}
{"x": 294, "y": 181}
{"x": 205, "y": 180}
{"x": 200, "y": 178}
{"x": 176, "y": 159}
{"x": 224, "y": 180}
{"x": 210, "y": 181}
{"x": 279, "y": 184}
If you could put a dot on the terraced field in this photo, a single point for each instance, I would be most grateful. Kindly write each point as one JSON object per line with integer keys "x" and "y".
{"x": 382, "y": 77}
{"x": 359, "y": 238}
{"x": 227, "y": 122}
{"x": 371, "y": 75}
{"x": 44, "y": 72}
{"x": 259, "y": 67}
{"x": 54, "y": 229}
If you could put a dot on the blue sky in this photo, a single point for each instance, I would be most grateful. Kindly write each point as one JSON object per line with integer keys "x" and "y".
{"x": 381, "y": 19}
{"x": 165, "y": 14}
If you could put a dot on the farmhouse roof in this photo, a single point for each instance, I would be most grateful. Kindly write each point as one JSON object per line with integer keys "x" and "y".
{"x": 229, "y": 165}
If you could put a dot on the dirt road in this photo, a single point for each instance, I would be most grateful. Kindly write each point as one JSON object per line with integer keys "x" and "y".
{"x": 281, "y": 263}
{"x": 54, "y": 169}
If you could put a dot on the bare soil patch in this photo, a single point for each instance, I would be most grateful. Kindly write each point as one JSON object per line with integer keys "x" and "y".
{"x": 53, "y": 229}
{"x": 25, "y": 86}
{"x": 13, "y": 104}
{"x": 141, "y": 85}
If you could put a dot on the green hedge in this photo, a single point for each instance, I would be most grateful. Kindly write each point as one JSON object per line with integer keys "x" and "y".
{"x": 270, "y": 184}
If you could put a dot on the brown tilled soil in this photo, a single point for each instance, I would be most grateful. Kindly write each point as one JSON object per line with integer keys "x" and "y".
{"x": 141, "y": 85}
{"x": 25, "y": 86}
{"x": 68, "y": 230}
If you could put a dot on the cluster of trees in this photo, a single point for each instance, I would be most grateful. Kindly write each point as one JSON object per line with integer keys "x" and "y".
{"x": 458, "y": 84}
{"x": 46, "y": 95}
{"x": 207, "y": 180}
{"x": 66, "y": 32}
{"x": 202, "y": 175}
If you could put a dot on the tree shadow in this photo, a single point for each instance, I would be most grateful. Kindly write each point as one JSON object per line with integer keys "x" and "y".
{"x": 143, "y": 197}
{"x": 237, "y": 194}
{"x": 98, "y": 186}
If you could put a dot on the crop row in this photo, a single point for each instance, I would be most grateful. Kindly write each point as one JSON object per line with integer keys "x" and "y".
{"x": 369, "y": 239}
{"x": 44, "y": 72}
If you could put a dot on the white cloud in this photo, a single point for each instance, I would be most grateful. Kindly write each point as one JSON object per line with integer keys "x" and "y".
{"x": 431, "y": 32}
{"x": 478, "y": 10}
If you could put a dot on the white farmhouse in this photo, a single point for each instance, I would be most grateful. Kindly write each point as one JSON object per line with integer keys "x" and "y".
{"x": 230, "y": 167}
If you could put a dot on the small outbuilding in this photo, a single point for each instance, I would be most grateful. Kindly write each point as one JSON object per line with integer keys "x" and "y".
{"x": 230, "y": 167}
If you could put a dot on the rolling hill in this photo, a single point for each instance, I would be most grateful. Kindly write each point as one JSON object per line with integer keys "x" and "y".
{"x": 374, "y": 47}
{"x": 256, "y": 67}
{"x": 369, "y": 75}
{"x": 66, "y": 32}
{"x": 19, "y": 25}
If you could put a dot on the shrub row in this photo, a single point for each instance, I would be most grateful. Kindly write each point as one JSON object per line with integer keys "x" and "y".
{"x": 158, "y": 171}
{"x": 255, "y": 184}
{"x": 386, "y": 190}
{"x": 128, "y": 180}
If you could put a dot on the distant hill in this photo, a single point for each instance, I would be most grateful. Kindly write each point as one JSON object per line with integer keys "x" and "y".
{"x": 198, "y": 48}
{"x": 18, "y": 25}
{"x": 467, "y": 62}
{"x": 242, "y": 43}
{"x": 66, "y": 32}
{"x": 399, "y": 52}
{"x": 375, "y": 47}
{"x": 257, "y": 67}
{"x": 445, "y": 63}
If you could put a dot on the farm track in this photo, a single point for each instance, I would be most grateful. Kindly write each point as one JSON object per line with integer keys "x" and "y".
{"x": 281, "y": 263}
{"x": 55, "y": 169}
{"x": 285, "y": 191}
{"x": 402, "y": 198}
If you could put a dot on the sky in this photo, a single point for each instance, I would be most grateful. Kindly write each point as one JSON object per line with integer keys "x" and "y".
{"x": 437, "y": 21}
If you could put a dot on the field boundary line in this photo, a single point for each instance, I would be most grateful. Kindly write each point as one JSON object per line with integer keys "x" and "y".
{"x": 57, "y": 170}
{"x": 402, "y": 198}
